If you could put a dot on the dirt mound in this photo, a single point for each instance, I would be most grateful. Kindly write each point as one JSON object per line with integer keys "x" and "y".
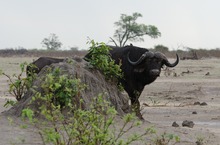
{"x": 95, "y": 81}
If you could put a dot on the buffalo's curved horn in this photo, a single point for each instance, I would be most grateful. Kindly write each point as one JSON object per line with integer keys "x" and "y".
{"x": 147, "y": 54}
{"x": 166, "y": 62}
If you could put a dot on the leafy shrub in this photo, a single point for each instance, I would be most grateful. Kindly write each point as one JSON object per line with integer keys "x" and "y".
{"x": 18, "y": 84}
{"x": 165, "y": 139}
{"x": 100, "y": 58}
{"x": 60, "y": 89}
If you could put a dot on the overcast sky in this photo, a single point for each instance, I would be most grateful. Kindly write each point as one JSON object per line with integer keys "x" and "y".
{"x": 191, "y": 23}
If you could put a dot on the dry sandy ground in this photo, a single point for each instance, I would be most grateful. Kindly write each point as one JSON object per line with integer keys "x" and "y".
{"x": 167, "y": 100}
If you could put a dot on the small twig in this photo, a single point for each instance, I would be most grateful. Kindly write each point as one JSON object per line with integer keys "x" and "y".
{"x": 112, "y": 40}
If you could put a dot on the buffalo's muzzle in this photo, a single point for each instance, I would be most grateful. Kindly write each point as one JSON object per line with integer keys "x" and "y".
{"x": 155, "y": 72}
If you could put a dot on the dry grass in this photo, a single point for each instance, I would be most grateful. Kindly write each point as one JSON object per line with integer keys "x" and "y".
{"x": 200, "y": 53}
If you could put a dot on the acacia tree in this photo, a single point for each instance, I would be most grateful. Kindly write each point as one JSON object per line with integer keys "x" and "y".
{"x": 52, "y": 42}
{"x": 129, "y": 30}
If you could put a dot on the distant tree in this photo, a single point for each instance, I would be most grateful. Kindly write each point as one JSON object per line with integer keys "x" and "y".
{"x": 129, "y": 30}
{"x": 161, "y": 48}
{"x": 52, "y": 42}
{"x": 74, "y": 48}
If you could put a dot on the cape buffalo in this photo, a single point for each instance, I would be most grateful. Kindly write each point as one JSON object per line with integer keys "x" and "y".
{"x": 140, "y": 67}
{"x": 37, "y": 65}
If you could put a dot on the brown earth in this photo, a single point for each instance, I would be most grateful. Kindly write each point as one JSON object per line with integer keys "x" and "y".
{"x": 170, "y": 98}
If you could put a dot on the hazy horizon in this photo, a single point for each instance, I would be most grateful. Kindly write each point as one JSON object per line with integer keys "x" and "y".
{"x": 26, "y": 23}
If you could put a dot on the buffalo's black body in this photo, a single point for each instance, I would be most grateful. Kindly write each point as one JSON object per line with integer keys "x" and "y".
{"x": 36, "y": 66}
{"x": 140, "y": 67}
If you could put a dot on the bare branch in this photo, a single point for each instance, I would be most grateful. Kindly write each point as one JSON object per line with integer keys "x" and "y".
{"x": 127, "y": 38}
{"x": 112, "y": 40}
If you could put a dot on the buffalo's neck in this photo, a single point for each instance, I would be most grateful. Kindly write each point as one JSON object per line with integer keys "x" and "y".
{"x": 133, "y": 93}
{"x": 135, "y": 86}
{"x": 148, "y": 80}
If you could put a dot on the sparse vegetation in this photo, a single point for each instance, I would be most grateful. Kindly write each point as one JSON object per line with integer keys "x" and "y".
{"x": 165, "y": 139}
{"x": 9, "y": 52}
{"x": 18, "y": 84}
{"x": 161, "y": 48}
{"x": 201, "y": 140}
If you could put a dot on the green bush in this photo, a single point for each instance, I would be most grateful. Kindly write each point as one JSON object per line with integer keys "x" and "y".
{"x": 100, "y": 58}
{"x": 60, "y": 89}
{"x": 18, "y": 85}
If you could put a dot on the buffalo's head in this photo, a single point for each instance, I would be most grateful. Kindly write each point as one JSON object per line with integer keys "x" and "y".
{"x": 151, "y": 63}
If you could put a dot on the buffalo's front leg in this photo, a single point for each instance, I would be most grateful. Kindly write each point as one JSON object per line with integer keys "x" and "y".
{"x": 134, "y": 96}
{"x": 135, "y": 105}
